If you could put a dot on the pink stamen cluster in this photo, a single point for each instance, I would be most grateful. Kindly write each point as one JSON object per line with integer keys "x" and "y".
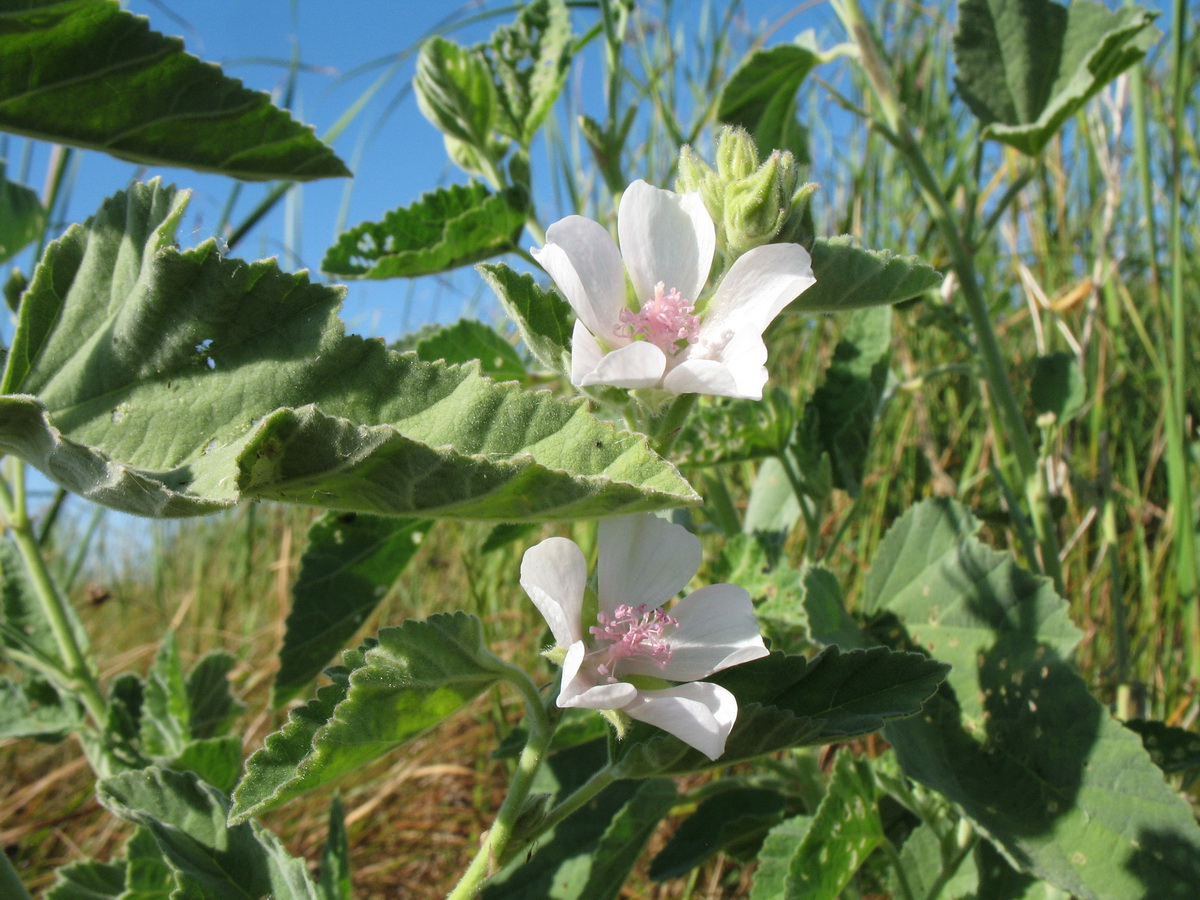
{"x": 668, "y": 320}
{"x": 632, "y": 631}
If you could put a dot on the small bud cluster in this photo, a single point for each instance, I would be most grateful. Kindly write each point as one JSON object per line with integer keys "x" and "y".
{"x": 751, "y": 203}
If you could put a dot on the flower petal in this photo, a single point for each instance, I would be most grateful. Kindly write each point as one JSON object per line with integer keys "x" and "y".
{"x": 586, "y": 265}
{"x": 579, "y": 690}
{"x": 703, "y": 376}
{"x": 717, "y": 629}
{"x": 585, "y": 353}
{"x": 639, "y": 364}
{"x": 553, "y": 574}
{"x": 665, "y": 237}
{"x": 759, "y": 285}
{"x": 699, "y": 714}
{"x": 644, "y": 559}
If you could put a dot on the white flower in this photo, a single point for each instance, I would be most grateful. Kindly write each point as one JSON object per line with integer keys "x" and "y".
{"x": 644, "y": 561}
{"x": 668, "y": 341}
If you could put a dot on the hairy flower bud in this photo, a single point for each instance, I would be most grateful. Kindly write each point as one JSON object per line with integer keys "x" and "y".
{"x": 757, "y": 207}
{"x": 695, "y": 175}
{"x": 737, "y": 157}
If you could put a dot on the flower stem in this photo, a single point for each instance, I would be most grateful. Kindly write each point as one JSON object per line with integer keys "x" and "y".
{"x": 495, "y": 841}
{"x": 582, "y": 795}
{"x": 664, "y": 430}
{"x": 77, "y": 670}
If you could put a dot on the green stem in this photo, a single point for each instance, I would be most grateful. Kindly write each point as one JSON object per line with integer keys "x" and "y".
{"x": 495, "y": 842}
{"x": 664, "y": 430}
{"x": 966, "y": 843}
{"x": 813, "y": 538}
{"x": 961, "y": 259}
{"x": 76, "y": 667}
{"x": 889, "y": 851}
{"x": 582, "y": 795}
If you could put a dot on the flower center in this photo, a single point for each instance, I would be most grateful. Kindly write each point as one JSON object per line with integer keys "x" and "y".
{"x": 631, "y": 631}
{"x": 668, "y": 320}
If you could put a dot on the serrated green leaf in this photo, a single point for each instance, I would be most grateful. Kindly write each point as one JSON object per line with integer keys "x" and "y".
{"x": 775, "y": 858}
{"x": 414, "y": 677}
{"x": 1014, "y": 738}
{"x": 1026, "y": 66}
{"x": 349, "y": 564}
{"x": 760, "y": 96}
{"x": 835, "y": 842}
{"x": 213, "y": 861}
{"x": 725, "y": 430}
{"x": 923, "y": 862}
{"x": 176, "y": 383}
{"x": 455, "y": 91}
{"x": 825, "y": 609}
{"x": 470, "y": 339}
{"x": 723, "y": 823}
{"x": 543, "y": 319}
{"x": 88, "y": 880}
{"x": 1172, "y": 749}
{"x": 444, "y": 229}
{"x": 847, "y": 403}
{"x": 529, "y": 61}
{"x": 852, "y": 277}
{"x": 788, "y": 701}
{"x": 68, "y": 69}
{"x": 336, "y": 883}
{"x": 148, "y": 876}
{"x": 210, "y": 703}
{"x": 35, "y": 709}
{"x": 217, "y": 760}
{"x": 22, "y": 217}
{"x": 1058, "y": 387}
{"x": 773, "y": 507}
{"x": 166, "y": 714}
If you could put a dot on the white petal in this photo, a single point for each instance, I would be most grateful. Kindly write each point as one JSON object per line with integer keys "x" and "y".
{"x": 553, "y": 574}
{"x": 638, "y": 364}
{"x": 717, "y": 629}
{"x": 759, "y": 285}
{"x": 586, "y": 265}
{"x": 665, "y": 237}
{"x": 703, "y": 376}
{"x": 580, "y": 690}
{"x": 644, "y": 559}
{"x": 700, "y": 714}
{"x": 585, "y": 353}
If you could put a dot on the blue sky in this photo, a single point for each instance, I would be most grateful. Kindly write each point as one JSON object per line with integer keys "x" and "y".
{"x": 395, "y": 154}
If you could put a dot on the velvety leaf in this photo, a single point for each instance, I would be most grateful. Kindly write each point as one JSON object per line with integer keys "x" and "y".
{"x": 825, "y": 609}
{"x": 1058, "y": 387}
{"x": 335, "y": 860}
{"x": 174, "y": 383}
{"x": 414, "y": 677}
{"x": 470, "y": 339}
{"x": 211, "y": 705}
{"x": 213, "y": 861}
{"x": 25, "y": 624}
{"x": 33, "y": 708}
{"x": 760, "y": 96}
{"x": 924, "y": 865}
{"x": 88, "y": 880}
{"x": 217, "y": 760}
{"x": 1026, "y": 66}
{"x": 529, "y": 61}
{"x": 835, "y": 842}
{"x": 1014, "y": 737}
{"x": 998, "y": 880}
{"x": 786, "y": 701}
{"x": 775, "y": 858}
{"x": 847, "y": 403}
{"x": 21, "y": 215}
{"x": 852, "y": 277}
{"x": 166, "y": 714}
{"x": 349, "y": 564}
{"x": 1172, "y": 749}
{"x": 148, "y": 875}
{"x": 445, "y": 229}
{"x": 68, "y": 71}
{"x": 723, "y": 823}
{"x": 543, "y": 319}
{"x": 589, "y": 854}
{"x": 455, "y": 92}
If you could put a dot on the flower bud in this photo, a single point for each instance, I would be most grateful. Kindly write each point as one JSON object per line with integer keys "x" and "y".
{"x": 695, "y": 175}
{"x": 737, "y": 157}
{"x": 756, "y": 207}
{"x": 798, "y": 228}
